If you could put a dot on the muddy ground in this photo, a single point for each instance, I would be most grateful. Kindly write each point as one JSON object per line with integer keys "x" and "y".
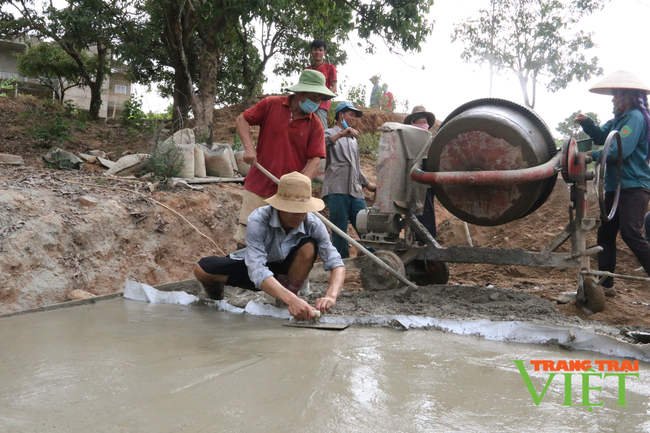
{"x": 52, "y": 241}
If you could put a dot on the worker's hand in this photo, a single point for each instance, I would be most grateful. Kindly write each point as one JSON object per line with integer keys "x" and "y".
{"x": 300, "y": 309}
{"x": 250, "y": 156}
{"x": 325, "y": 303}
{"x": 580, "y": 118}
{"x": 350, "y": 132}
{"x": 371, "y": 187}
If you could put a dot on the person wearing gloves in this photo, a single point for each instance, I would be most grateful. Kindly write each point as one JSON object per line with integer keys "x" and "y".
{"x": 344, "y": 181}
{"x": 290, "y": 139}
{"x": 632, "y": 120}
{"x": 282, "y": 242}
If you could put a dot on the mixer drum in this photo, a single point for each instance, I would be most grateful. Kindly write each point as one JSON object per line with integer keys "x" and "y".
{"x": 492, "y": 134}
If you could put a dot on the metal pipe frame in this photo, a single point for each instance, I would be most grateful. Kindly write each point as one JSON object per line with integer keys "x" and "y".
{"x": 489, "y": 177}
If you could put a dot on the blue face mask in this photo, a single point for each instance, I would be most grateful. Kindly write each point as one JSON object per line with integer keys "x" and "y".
{"x": 308, "y": 106}
{"x": 345, "y": 124}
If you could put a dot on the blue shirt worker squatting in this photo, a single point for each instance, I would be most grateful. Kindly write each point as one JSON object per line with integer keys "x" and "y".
{"x": 283, "y": 240}
{"x": 632, "y": 120}
{"x": 344, "y": 182}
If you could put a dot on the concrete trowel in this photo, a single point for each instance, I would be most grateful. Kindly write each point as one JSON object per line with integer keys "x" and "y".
{"x": 316, "y": 325}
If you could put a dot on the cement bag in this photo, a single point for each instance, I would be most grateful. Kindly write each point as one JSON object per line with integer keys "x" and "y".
{"x": 233, "y": 161}
{"x": 242, "y": 167}
{"x": 184, "y": 136}
{"x": 218, "y": 162}
{"x": 127, "y": 164}
{"x": 320, "y": 174}
{"x": 199, "y": 161}
{"x": 187, "y": 158}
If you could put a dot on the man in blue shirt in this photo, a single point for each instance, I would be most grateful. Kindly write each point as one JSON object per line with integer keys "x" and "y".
{"x": 632, "y": 120}
{"x": 282, "y": 243}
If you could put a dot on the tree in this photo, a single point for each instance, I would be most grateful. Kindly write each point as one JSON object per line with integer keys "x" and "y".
{"x": 239, "y": 37}
{"x": 53, "y": 68}
{"x": 534, "y": 40}
{"x": 569, "y": 129}
{"x": 82, "y": 27}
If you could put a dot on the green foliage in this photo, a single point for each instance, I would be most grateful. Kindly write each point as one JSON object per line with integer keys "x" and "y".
{"x": 53, "y": 67}
{"x": 60, "y": 163}
{"x": 220, "y": 49}
{"x": 569, "y": 129}
{"x": 357, "y": 95}
{"x": 532, "y": 38}
{"x": 368, "y": 144}
{"x": 164, "y": 162}
{"x": 237, "y": 143}
{"x": 55, "y": 130}
{"x": 331, "y": 114}
{"x": 132, "y": 114}
{"x": 77, "y": 26}
{"x": 7, "y": 84}
{"x": 54, "y": 124}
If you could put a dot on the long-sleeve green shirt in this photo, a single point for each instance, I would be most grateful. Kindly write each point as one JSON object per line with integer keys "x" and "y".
{"x": 633, "y": 129}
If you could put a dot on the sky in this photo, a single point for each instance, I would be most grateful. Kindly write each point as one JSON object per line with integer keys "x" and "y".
{"x": 620, "y": 33}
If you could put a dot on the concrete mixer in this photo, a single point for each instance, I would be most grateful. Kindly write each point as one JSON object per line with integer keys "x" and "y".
{"x": 491, "y": 162}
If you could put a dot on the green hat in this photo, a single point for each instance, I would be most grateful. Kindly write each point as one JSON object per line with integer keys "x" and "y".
{"x": 312, "y": 81}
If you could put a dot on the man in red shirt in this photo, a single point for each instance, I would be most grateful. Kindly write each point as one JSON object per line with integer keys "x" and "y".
{"x": 291, "y": 139}
{"x": 318, "y": 50}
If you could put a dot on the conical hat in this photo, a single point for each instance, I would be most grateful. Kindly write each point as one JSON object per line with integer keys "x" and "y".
{"x": 619, "y": 80}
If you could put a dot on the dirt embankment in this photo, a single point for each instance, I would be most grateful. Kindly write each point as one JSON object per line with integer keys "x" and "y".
{"x": 51, "y": 242}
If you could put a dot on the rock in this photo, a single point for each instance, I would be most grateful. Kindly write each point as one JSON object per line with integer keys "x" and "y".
{"x": 564, "y": 298}
{"x": 88, "y": 158}
{"x": 127, "y": 164}
{"x": 88, "y": 201}
{"x": 57, "y": 156}
{"x": 97, "y": 152}
{"x": 11, "y": 159}
{"x": 93, "y": 167}
{"x": 78, "y": 295}
{"x": 105, "y": 162}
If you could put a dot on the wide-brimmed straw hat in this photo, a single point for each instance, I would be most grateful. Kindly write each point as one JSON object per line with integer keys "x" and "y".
{"x": 312, "y": 81}
{"x": 418, "y": 111}
{"x": 294, "y": 195}
{"x": 619, "y": 80}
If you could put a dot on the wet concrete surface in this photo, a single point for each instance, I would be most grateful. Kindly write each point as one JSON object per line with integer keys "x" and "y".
{"x": 128, "y": 366}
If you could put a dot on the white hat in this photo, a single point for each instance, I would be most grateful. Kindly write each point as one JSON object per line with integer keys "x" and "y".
{"x": 619, "y": 80}
{"x": 294, "y": 195}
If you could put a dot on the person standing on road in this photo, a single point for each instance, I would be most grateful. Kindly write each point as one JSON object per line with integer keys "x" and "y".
{"x": 632, "y": 120}
{"x": 291, "y": 139}
{"x": 344, "y": 181}
{"x": 318, "y": 50}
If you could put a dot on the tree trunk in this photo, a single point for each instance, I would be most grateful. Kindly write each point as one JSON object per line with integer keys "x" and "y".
{"x": 203, "y": 102}
{"x": 181, "y": 110}
{"x": 96, "y": 86}
{"x": 523, "y": 83}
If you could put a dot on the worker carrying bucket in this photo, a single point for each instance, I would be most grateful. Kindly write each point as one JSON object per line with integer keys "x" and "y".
{"x": 282, "y": 242}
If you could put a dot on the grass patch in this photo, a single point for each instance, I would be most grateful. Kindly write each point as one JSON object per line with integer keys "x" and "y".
{"x": 369, "y": 144}
{"x": 163, "y": 162}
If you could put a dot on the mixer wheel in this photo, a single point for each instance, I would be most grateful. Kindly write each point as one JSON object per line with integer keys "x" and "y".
{"x": 374, "y": 277}
{"x": 427, "y": 272}
{"x": 601, "y": 169}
